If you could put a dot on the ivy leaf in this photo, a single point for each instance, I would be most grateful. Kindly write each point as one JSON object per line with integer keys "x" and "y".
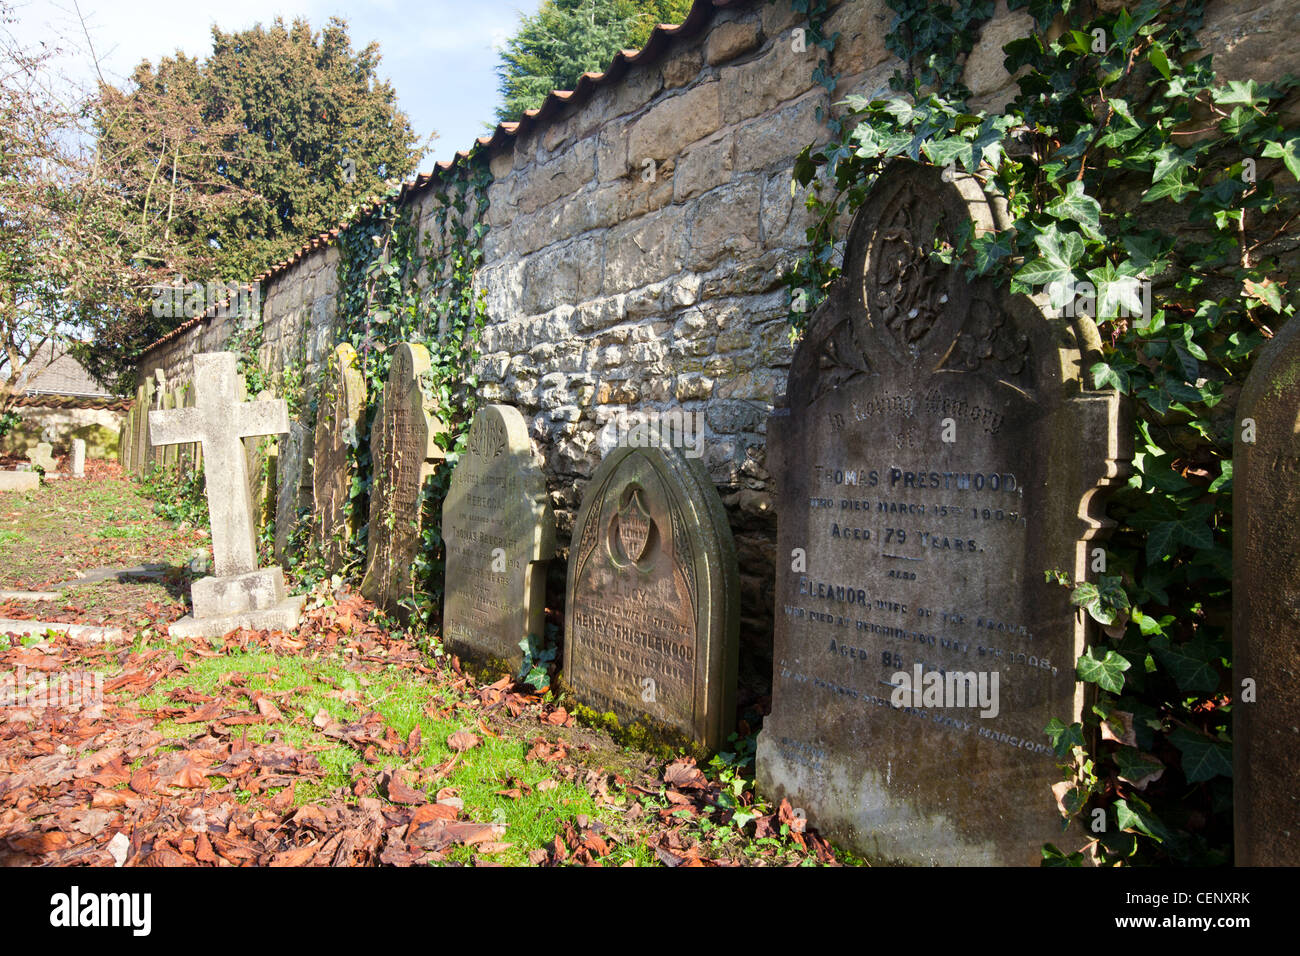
{"x": 990, "y": 249}
{"x": 1132, "y": 814}
{"x": 1077, "y": 206}
{"x": 1106, "y": 672}
{"x": 1245, "y": 92}
{"x": 1159, "y": 60}
{"x": 1286, "y": 150}
{"x": 1064, "y": 737}
{"x": 1203, "y": 757}
{"x": 1137, "y": 768}
{"x": 1190, "y": 664}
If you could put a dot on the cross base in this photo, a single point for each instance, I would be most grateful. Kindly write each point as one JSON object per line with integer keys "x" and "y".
{"x": 254, "y": 600}
{"x": 283, "y": 617}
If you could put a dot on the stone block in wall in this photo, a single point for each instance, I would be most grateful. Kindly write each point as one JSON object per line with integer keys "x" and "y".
{"x": 1251, "y": 39}
{"x": 570, "y": 272}
{"x": 767, "y": 81}
{"x": 644, "y": 250}
{"x": 674, "y": 122}
{"x": 562, "y": 177}
{"x": 601, "y": 313}
{"x": 681, "y": 67}
{"x": 783, "y": 218}
{"x": 778, "y": 137}
{"x": 731, "y": 39}
{"x": 863, "y": 26}
{"x": 991, "y": 86}
{"x": 702, "y": 167}
{"x": 725, "y": 223}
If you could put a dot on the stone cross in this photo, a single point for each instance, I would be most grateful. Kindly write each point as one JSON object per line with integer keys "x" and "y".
{"x": 219, "y": 422}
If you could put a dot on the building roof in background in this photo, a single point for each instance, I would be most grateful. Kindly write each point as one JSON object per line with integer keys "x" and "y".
{"x": 52, "y": 371}
{"x": 662, "y": 38}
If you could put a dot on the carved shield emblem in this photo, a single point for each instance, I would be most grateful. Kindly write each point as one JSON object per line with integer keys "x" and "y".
{"x": 634, "y": 527}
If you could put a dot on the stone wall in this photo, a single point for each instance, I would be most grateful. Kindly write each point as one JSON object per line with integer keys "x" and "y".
{"x": 638, "y": 235}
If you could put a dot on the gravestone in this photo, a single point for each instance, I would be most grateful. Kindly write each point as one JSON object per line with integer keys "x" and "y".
{"x": 158, "y": 453}
{"x": 19, "y": 481}
{"x": 1266, "y": 608}
{"x": 78, "y": 458}
{"x": 652, "y": 614}
{"x": 404, "y": 453}
{"x": 239, "y": 594}
{"x": 939, "y": 454}
{"x": 292, "y": 487}
{"x": 167, "y": 454}
{"x": 260, "y": 454}
{"x": 125, "y": 440}
{"x": 499, "y": 532}
{"x": 188, "y": 454}
{"x": 43, "y": 456}
{"x": 142, "y": 451}
{"x": 338, "y": 424}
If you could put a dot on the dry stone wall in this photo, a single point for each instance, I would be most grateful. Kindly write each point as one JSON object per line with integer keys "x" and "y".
{"x": 638, "y": 237}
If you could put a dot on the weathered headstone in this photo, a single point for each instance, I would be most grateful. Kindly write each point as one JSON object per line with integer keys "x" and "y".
{"x": 78, "y": 464}
{"x": 142, "y": 452}
{"x": 239, "y": 594}
{"x": 499, "y": 532}
{"x": 404, "y": 453}
{"x": 261, "y": 455}
{"x": 125, "y": 437}
{"x": 43, "y": 456}
{"x": 939, "y": 454}
{"x": 1266, "y": 608}
{"x": 652, "y": 599}
{"x": 338, "y": 424}
{"x": 292, "y": 487}
{"x": 167, "y": 454}
{"x": 158, "y": 452}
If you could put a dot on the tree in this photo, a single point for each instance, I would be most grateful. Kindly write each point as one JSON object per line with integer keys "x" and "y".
{"x": 42, "y": 213}
{"x": 225, "y": 166}
{"x": 567, "y": 38}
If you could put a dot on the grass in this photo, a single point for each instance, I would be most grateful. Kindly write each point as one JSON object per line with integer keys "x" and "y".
{"x": 49, "y": 534}
{"x": 478, "y": 776}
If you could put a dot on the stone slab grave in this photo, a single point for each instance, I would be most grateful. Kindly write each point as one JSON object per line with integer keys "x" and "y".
{"x": 652, "y": 614}
{"x": 499, "y": 532}
{"x": 404, "y": 453}
{"x": 239, "y": 594}
{"x": 938, "y": 455}
{"x": 19, "y": 481}
{"x": 78, "y": 458}
{"x": 1266, "y": 608}
{"x": 338, "y": 425}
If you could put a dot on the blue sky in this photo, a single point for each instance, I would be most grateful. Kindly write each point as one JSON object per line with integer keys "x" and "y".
{"x": 440, "y": 55}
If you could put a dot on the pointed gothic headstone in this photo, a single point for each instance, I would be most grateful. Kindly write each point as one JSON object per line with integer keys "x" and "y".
{"x": 239, "y": 594}
{"x": 939, "y": 454}
{"x": 499, "y": 532}
{"x": 404, "y": 453}
{"x": 652, "y": 610}
{"x": 338, "y": 423}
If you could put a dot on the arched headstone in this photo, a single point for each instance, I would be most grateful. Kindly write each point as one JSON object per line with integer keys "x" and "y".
{"x": 652, "y": 601}
{"x": 939, "y": 454}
